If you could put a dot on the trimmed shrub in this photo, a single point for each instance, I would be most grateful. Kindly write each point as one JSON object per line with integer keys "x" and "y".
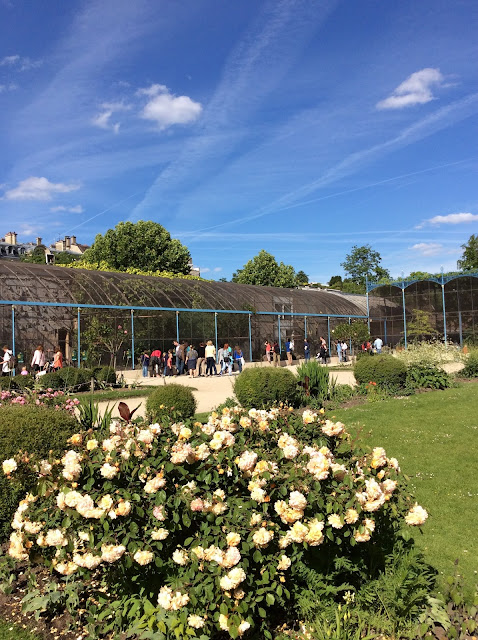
{"x": 37, "y": 430}
{"x": 6, "y": 383}
{"x": 427, "y": 376}
{"x": 23, "y": 382}
{"x": 471, "y": 367}
{"x": 66, "y": 379}
{"x": 385, "y": 370}
{"x": 105, "y": 374}
{"x": 263, "y": 387}
{"x": 173, "y": 398}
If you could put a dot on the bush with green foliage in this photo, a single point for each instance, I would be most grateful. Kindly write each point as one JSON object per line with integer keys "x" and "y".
{"x": 37, "y": 430}
{"x": 23, "y": 382}
{"x": 6, "y": 383}
{"x": 172, "y": 398}
{"x": 385, "y": 370}
{"x": 67, "y": 379}
{"x": 427, "y": 376}
{"x": 105, "y": 374}
{"x": 470, "y": 369}
{"x": 315, "y": 377}
{"x": 343, "y": 392}
{"x": 264, "y": 387}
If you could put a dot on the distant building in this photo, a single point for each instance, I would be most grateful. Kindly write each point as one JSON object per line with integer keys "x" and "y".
{"x": 11, "y": 247}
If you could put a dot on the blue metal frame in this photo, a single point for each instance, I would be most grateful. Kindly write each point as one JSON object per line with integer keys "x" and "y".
{"x": 305, "y": 327}
{"x": 78, "y": 344}
{"x": 132, "y": 338}
{"x": 404, "y": 317}
{"x": 328, "y": 333}
{"x": 250, "y": 338}
{"x": 403, "y": 284}
{"x": 13, "y": 334}
{"x": 280, "y": 340}
{"x": 215, "y": 332}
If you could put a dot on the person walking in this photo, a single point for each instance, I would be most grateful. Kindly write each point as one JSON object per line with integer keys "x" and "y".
{"x": 276, "y": 353}
{"x": 180, "y": 355}
{"x": 344, "y": 351}
{"x": 269, "y": 351}
{"x": 191, "y": 359}
{"x": 168, "y": 363}
{"x": 57, "y": 359}
{"x": 155, "y": 362}
{"x": 38, "y": 360}
{"x": 378, "y": 344}
{"x": 226, "y": 359}
{"x": 210, "y": 353}
{"x": 6, "y": 361}
{"x": 238, "y": 357}
{"x": 289, "y": 347}
{"x": 145, "y": 358}
{"x": 201, "y": 365}
{"x": 323, "y": 353}
{"x": 306, "y": 350}
{"x": 338, "y": 348}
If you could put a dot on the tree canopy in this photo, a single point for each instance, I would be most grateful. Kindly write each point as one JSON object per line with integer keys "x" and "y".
{"x": 357, "y": 331}
{"x": 144, "y": 245}
{"x": 264, "y": 270}
{"x": 363, "y": 262}
{"x": 469, "y": 259}
{"x": 37, "y": 256}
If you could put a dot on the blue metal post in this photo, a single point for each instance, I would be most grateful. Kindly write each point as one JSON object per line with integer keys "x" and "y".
{"x": 460, "y": 329}
{"x": 280, "y": 340}
{"x": 305, "y": 327}
{"x": 328, "y": 332}
{"x": 177, "y": 326}
{"x": 350, "y": 343}
{"x": 132, "y": 338}
{"x": 404, "y": 315}
{"x": 385, "y": 331}
{"x": 368, "y": 304}
{"x": 250, "y": 339}
{"x": 215, "y": 332}
{"x": 78, "y": 345}
{"x": 444, "y": 309}
{"x": 13, "y": 334}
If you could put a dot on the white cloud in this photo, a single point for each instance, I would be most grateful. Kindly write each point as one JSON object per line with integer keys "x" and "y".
{"x": 428, "y": 248}
{"x": 416, "y": 89}
{"x": 451, "y": 218}
{"x": 205, "y": 270}
{"x": 217, "y": 269}
{"x": 42, "y": 189}
{"x": 8, "y": 87}
{"x": 166, "y": 109}
{"x": 102, "y": 120}
{"x": 19, "y": 63}
{"x": 76, "y": 209}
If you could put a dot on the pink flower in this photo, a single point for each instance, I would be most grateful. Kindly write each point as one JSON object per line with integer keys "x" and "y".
{"x": 197, "y": 505}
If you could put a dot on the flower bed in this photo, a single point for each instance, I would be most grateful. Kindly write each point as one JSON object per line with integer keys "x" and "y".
{"x": 48, "y": 398}
{"x": 190, "y": 529}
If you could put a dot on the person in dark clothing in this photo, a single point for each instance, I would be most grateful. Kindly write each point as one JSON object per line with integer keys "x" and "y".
{"x": 154, "y": 362}
{"x": 201, "y": 363}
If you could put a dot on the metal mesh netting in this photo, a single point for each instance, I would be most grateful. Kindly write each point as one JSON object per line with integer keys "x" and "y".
{"x": 104, "y": 331}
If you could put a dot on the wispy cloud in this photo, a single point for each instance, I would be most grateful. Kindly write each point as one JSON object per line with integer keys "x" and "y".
{"x": 102, "y": 120}
{"x": 428, "y": 248}
{"x": 20, "y": 63}
{"x": 11, "y": 86}
{"x": 76, "y": 209}
{"x": 41, "y": 189}
{"x": 451, "y": 218}
{"x": 416, "y": 89}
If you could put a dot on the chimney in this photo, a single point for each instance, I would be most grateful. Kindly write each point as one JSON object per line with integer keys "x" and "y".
{"x": 67, "y": 242}
{"x": 73, "y": 240}
{"x": 38, "y": 242}
{"x": 11, "y": 237}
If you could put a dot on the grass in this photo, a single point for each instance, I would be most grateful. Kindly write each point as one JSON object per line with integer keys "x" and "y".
{"x": 116, "y": 394}
{"x": 9, "y": 631}
{"x": 202, "y": 417}
{"x": 434, "y": 436}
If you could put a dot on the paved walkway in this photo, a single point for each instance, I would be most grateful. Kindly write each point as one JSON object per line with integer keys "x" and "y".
{"x": 209, "y": 392}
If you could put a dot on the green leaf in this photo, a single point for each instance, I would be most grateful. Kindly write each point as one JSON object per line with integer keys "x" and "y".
{"x": 270, "y": 599}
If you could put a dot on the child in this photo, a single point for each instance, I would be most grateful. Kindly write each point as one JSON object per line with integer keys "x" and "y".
{"x": 24, "y": 371}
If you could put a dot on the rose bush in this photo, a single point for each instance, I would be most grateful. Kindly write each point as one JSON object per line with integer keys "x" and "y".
{"x": 188, "y": 529}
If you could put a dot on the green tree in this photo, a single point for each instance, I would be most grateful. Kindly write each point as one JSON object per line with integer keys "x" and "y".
{"x": 469, "y": 259}
{"x": 264, "y": 270}
{"x": 144, "y": 245}
{"x": 356, "y": 331}
{"x": 363, "y": 262}
{"x": 63, "y": 257}
{"x": 420, "y": 327}
{"x": 301, "y": 278}
{"x": 37, "y": 256}
{"x": 419, "y": 275}
{"x": 335, "y": 282}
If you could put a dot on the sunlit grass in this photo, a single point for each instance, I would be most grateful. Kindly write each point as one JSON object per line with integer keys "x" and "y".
{"x": 435, "y": 438}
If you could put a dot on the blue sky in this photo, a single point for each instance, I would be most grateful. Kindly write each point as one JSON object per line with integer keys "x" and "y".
{"x": 300, "y": 127}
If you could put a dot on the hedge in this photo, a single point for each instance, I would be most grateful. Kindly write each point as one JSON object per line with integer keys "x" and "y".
{"x": 263, "y": 387}
{"x": 385, "y": 370}
{"x": 171, "y": 397}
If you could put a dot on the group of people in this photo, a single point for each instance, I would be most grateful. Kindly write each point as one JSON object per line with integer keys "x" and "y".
{"x": 39, "y": 363}
{"x": 273, "y": 350}
{"x": 185, "y": 358}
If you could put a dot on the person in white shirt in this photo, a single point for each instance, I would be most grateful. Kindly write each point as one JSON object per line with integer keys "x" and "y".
{"x": 38, "y": 360}
{"x": 7, "y": 355}
{"x": 344, "y": 351}
{"x": 378, "y": 344}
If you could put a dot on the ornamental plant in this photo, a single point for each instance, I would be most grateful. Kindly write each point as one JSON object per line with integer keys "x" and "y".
{"x": 209, "y": 530}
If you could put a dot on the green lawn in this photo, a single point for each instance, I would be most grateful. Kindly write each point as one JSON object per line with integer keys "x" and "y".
{"x": 9, "y": 631}
{"x": 116, "y": 394}
{"x": 435, "y": 438}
